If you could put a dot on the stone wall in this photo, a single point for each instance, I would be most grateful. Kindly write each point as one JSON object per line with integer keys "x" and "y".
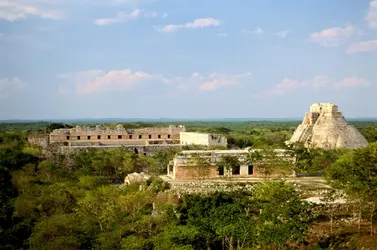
{"x": 119, "y": 135}
{"x": 325, "y": 127}
{"x": 40, "y": 140}
{"x": 183, "y": 168}
{"x": 205, "y": 139}
{"x": 145, "y": 150}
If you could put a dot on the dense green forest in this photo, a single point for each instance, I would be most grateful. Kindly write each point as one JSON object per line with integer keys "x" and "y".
{"x": 51, "y": 200}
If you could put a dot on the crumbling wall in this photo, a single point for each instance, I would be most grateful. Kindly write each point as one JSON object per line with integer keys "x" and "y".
{"x": 100, "y": 134}
{"x": 142, "y": 150}
{"x": 204, "y": 139}
{"x": 40, "y": 140}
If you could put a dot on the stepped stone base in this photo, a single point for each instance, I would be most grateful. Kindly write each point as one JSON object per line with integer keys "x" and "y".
{"x": 325, "y": 127}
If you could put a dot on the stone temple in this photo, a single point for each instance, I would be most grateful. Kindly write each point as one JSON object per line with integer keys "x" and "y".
{"x": 325, "y": 127}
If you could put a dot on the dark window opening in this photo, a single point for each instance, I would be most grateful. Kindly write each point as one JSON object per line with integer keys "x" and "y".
{"x": 99, "y": 137}
{"x": 109, "y": 137}
{"x": 221, "y": 170}
{"x": 88, "y": 137}
{"x": 78, "y": 138}
{"x": 236, "y": 170}
{"x": 150, "y": 136}
{"x": 168, "y": 136}
{"x": 130, "y": 137}
{"x": 119, "y": 137}
{"x": 250, "y": 170}
{"x": 140, "y": 136}
{"x": 145, "y": 154}
{"x": 68, "y": 137}
{"x": 159, "y": 136}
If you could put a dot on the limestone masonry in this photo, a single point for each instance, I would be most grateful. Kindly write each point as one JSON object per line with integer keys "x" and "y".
{"x": 101, "y": 136}
{"x": 325, "y": 127}
{"x": 183, "y": 168}
{"x": 203, "y": 139}
{"x": 105, "y": 137}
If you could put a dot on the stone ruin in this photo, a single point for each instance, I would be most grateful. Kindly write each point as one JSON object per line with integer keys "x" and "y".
{"x": 135, "y": 178}
{"x": 102, "y": 136}
{"x": 325, "y": 127}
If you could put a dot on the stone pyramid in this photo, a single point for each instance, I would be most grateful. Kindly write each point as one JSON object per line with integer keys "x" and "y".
{"x": 325, "y": 127}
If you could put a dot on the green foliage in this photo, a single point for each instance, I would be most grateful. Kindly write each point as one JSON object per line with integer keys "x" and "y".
{"x": 283, "y": 215}
{"x": 162, "y": 159}
{"x": 201, "y": 166}
{"x": 50, "y": 200}
{"x": 269, "y": 161}
{"x": 316, "y": 160}
{"x": 61, "y": 231}
{"x": 177, "y": 237}
{"x": 227, "y": 162}
{"x": 271, "y": 216}
{"x": 356, "y": 173}
{"x": 54, "y": 126}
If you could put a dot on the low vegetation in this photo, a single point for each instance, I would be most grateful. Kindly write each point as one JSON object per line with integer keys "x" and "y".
{"x": 74, "y": 201}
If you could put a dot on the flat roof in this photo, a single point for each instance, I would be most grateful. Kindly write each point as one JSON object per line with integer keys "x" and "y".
{"x": 231, "y": 151}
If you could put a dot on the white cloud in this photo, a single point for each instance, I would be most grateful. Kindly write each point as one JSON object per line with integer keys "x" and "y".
{"x": 151, "y": 14}
{"x": 92, "y": 81}
{"x": 320, "y": 81}
{"x": 257, "y": 31}
{"x": 364, "y": 46}
{"x": 333, "y": 36}
{"x": 224, "y": 80}
{"x": 352, "y": 82}
{"x": 196, "y": 24}
{"x": 288, "y": 85}
{"x": 13, "y": 11}
{"x": 8, "y": 86}
{"x": 283, "y": 33}
{"x": 372, "y": 14}
{"x": 120, "y": 18}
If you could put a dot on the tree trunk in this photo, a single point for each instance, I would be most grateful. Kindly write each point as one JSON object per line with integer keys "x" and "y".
{"x": 359, "y": 226}
{"x": 371, "y": 218}
{"x": 231, "y": 243}
{"x": 331, "y": 219}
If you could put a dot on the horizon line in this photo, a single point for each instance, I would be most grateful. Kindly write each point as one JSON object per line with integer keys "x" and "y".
{"x": 140, "y": 119}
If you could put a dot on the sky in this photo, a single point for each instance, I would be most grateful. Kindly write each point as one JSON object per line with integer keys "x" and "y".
{"x": 64, "y": 59}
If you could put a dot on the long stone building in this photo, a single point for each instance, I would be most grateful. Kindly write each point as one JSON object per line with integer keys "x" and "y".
{"x": 152, "y": 136}
{"x": 102, "y": 136}
{"x": 325, "y": 127}
{"x": 182, "y": 167}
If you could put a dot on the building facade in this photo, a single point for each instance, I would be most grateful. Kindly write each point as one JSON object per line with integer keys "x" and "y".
{"x": 203, "y": 139}
{"x": 182, "y": 167}
{"x": 99, "y": 135}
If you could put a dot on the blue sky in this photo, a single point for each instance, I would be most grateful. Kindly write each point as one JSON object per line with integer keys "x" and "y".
{"x": 186, "y": 58}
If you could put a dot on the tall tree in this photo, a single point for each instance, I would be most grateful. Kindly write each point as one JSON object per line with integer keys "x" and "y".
{"x": 268, "y": 161}
{"x": 200, "y": 165}
{"x": 356, "y": 174}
